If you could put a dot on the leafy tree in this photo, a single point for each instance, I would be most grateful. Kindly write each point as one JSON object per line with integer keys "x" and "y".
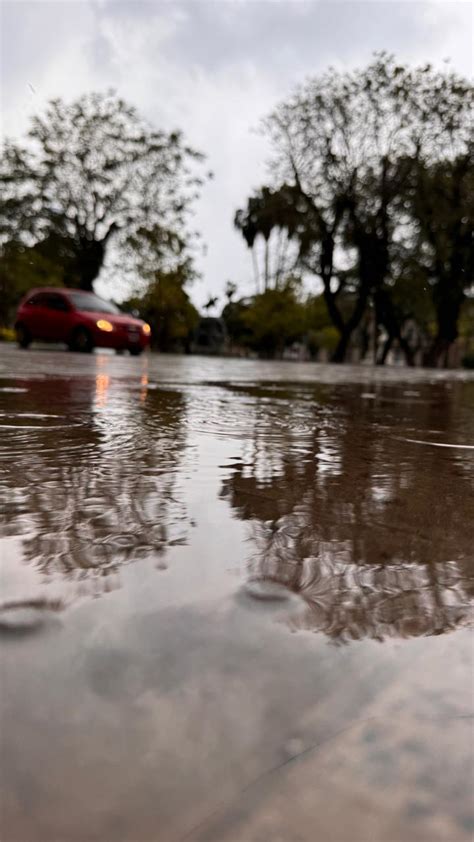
{"x": 442, "y": 198}
{"x": 348, "y": 143}
{"x": 274, "y": 218}
{"x": 409, "y": 316}
{"x": 90, "y": 174}
{"x": 235, "y": 322}
{"x": 21, "y": 268}
{"x": 275, "y": 318}
{"x": 321, "y": 333}
{"x": 269, "y": 321}
{"x": 166, "y": 306}
{"x": 253, "y": 222}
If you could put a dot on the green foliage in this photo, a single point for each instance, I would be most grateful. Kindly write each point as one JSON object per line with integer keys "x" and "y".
{"x": 270, "y": 321}
{"x": 166, "y": 306}
{"x": 317, "y": 313}
{"x": 273, "y": 319}
{"x": 233, "y": 316}
{"x": 22, "y": 268}
{"x": 411, "y": 299}
{"x": 7, "y": 334}
{"x": 321, "y": 334}
{"x": 466, "y": 322}
{"x": 325, "y": 338}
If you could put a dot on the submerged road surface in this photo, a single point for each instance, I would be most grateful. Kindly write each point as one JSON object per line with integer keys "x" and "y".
{"x": 235, "y": 601}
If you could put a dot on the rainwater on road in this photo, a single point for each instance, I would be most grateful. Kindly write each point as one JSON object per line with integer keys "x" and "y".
{"x": 235, "y": 601}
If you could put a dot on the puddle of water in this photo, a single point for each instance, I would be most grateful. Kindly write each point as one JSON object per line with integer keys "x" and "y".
{"x": 267, "y": 591}
{"x": 268, "y": 584}
{"x": 27, "y": 616}
{"x": 441, "y": 444}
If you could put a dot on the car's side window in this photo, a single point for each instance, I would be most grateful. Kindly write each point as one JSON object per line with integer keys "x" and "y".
{"x": 35, "y": 301}
{"x": 56, "y": 302}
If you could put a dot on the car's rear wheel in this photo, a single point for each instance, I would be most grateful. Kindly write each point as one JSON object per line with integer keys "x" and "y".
{"x": 135, "y": 350}
{"x": 23, "y": 336}
{"x": 81, "y": 341}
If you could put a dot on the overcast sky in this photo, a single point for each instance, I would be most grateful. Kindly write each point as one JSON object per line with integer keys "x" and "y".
{"x": 213, "y": 70}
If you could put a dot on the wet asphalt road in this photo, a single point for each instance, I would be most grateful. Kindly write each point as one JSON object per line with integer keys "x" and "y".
{"x": 236, "y": 601}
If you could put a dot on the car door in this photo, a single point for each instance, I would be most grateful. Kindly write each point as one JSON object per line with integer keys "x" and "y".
{"x": 48, "y": 316}
{"x": 56, "y": 317}
{"x": 35, "y": 316}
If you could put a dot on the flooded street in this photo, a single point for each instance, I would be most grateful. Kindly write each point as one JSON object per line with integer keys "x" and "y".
{"x": 236, "y": 601}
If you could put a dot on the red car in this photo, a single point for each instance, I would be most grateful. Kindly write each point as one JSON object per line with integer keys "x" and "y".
{"x": 81, "y": 319}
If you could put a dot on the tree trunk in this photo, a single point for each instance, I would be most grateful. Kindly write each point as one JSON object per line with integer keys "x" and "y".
{"x": 438, "y": 352}
{"x": 90, "y": 257}
{"x": 339, "y": 354}
{"x": 255, "y": 270}
{"x": 349, "y": 327}
{"x": 448, "y": 310}
{"x": 407, "y": 350}
{"x": 385, "y": 351}
{"x": 266, "y": 265}
{"x": 386, "y": 315}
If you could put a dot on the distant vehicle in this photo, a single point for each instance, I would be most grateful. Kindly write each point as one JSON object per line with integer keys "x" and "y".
{"x": 81, "y": 319}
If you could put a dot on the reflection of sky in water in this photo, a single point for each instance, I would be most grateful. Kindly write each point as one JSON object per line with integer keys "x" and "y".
{"x": 328, "y": 457}
{"x": 382, "y": 488}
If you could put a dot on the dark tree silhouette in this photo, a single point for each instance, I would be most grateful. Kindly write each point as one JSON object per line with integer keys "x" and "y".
{"x": 94, "y": 172}
{"x": 348, "y": 143}
{"x": 442, "y": 198}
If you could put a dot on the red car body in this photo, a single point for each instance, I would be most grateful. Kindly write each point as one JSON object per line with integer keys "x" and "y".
{"x": 81, "y": 319}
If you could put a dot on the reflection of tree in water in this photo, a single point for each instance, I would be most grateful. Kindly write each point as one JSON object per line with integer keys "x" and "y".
{"x": 374, "y": 533}
{"x": 98, "y": 488}
{"x": 351, "y": 601}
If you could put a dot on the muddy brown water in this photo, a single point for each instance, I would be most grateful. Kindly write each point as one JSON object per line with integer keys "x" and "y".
{"x": 236, "y": 601}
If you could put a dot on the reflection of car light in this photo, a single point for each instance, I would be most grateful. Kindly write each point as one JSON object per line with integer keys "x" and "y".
{"x": 103, "y": 324}
{"x": 101, "y": 388}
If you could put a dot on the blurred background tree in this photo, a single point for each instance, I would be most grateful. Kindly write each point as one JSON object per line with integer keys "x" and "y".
{"x": 270, "y": 220}
{"x": 91, "y": 180}
{"x": 441, "y": 197}
{"x": 21, "y": 268}
{"x": 166, "y": 306}
{"x": 359, "y": 155}
{"x": 275, "y": 318}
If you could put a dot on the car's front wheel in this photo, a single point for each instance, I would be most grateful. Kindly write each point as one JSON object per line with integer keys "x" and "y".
{"x": 23, "y": 336}
{"x": 81, "y": 341}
